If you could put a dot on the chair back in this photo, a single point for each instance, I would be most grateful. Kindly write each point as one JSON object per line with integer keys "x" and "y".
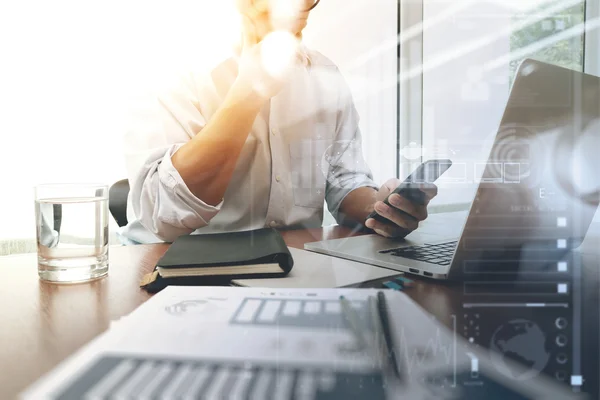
{"x": 117, "y": 201}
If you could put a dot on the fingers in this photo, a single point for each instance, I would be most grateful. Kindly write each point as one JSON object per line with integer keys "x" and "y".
{"x": 388, "y": 230}
{"x": 396, "y": 216}
{"x": 392, "y": 184}
{"x": 402, "y": 215}
{"x": 417, "y": 211}
{"x": 388, "y": 187}
{"x": 430, "y": 191}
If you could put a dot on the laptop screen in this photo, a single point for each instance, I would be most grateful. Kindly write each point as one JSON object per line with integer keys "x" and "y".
{"x": 540, "y": 187}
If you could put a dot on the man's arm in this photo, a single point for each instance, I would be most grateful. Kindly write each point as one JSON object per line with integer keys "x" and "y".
{"x": 357, "y": 205}
{"x": 207, "y": 162}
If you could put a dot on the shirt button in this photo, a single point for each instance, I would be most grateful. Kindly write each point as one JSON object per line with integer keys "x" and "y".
{"x": 278, "y": 178}
{"x": 273, "y": 132}
{"x": 273, "y": 224}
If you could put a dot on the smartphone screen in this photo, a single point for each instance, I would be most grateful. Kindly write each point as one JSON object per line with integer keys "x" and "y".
{"x": 428, "y": 172}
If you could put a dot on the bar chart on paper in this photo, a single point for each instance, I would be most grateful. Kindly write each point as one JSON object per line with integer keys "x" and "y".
{"x": 299, "y": 313}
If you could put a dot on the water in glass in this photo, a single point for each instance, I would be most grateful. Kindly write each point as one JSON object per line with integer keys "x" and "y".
{"x": 72, "y": 236}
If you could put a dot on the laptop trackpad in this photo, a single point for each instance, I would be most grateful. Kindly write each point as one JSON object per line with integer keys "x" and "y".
{"x": 371, "y": 243}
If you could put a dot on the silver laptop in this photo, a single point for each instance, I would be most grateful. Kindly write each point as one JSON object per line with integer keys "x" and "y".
{"x": 536, "y": 195}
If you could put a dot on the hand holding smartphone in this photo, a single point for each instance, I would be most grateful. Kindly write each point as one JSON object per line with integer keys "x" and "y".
{"x": 428, "y": 172}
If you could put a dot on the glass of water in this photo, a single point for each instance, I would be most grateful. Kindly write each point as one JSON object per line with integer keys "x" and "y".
{"x": 72, "y": 231}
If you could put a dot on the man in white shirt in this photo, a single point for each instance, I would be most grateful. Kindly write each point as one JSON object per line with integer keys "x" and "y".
{"x": 248, "y": 146}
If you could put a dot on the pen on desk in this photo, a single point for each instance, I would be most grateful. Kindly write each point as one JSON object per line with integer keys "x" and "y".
{"x": 350, "y": 315}
{"x": 377, "y": 331}
{"x": 382, "y": 312}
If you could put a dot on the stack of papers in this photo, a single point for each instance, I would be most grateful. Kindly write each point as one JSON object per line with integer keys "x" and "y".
{"x": 238, "y": 343}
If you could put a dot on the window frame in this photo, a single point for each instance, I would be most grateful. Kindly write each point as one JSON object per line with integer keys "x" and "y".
{"x": 410, "y": 89}
{"x": 591, "y": 39}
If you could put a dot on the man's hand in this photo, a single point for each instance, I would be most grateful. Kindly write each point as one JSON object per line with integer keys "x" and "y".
{"x": 403, "y": 216}
{"x": 264, "y": 66}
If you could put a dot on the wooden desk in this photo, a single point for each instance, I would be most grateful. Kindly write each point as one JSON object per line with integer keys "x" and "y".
{"x": 41, "y": 324}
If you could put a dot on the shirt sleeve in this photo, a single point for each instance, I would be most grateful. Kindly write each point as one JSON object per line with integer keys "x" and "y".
{"x": 348, "y": 169}
{"x": 161, "y": 201}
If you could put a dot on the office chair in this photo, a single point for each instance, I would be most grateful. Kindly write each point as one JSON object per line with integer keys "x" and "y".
{"x": 117, "y": 201}
{"x": 57, "y": 213}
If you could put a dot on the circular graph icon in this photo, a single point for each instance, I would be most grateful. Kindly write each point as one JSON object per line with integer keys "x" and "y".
{"x": 511, "y": 156}
{"x": 561, "y": 323}
{"x": 522, "y": 341}
{"x": 561, "y": 340}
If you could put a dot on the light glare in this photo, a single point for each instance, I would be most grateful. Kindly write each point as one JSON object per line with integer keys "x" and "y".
{"x": 278, "y": 53}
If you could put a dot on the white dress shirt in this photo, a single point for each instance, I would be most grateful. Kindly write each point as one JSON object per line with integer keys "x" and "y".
{"x": 304, "y": 148}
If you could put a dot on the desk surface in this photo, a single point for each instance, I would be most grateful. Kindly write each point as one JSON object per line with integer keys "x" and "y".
{"x": 42, "y": 324}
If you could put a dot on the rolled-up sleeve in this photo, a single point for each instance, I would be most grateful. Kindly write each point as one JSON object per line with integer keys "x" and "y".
{"x": 348, "y": 169}
{"x": 162, "y": 201}
{"x": 159, "y": 198}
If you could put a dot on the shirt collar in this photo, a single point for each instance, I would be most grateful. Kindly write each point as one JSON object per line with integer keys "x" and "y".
{"x": 304, "y": 56}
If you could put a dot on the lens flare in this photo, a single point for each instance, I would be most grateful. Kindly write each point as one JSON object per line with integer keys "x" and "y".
{"x": 278, "y": 53}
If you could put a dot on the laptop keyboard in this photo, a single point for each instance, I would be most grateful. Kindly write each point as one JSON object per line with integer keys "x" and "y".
{"x": 439, "y": 253}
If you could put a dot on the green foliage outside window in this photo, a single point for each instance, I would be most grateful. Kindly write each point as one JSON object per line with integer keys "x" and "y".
{"x": 567, "y": 52}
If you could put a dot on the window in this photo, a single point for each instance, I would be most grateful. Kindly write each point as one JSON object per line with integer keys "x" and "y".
{"x": 470, "y": 51}
{"x": 70, "y": 70}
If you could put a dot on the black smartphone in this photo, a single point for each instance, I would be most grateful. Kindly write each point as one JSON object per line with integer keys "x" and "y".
{"x": 428, "y": 172}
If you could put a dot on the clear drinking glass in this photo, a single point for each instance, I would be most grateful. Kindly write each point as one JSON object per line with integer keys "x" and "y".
{"x": 72, "y": 231}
